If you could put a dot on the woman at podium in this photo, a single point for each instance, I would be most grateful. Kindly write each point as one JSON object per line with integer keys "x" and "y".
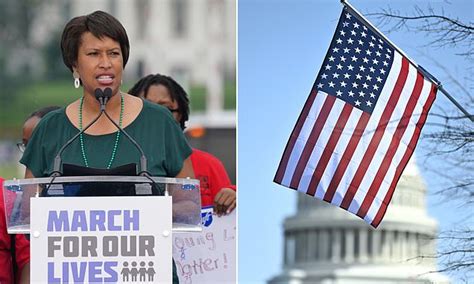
{"x": 95, "y": 48}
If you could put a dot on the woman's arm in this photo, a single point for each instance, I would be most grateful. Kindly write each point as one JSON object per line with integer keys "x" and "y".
{"x": 28, "y": 173}
{"x": 187, "y": 169}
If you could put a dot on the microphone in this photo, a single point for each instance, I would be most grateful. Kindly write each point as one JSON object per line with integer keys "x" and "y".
{"x": 57, "y": 160}
{"x": 103, "y": 98}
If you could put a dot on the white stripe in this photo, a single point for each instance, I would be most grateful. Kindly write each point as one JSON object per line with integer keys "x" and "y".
{"x": 369, "y": 130}
{"x": 336, "y": 156}
{"x": 322, "y": 142}
{"x": 410, "y": 131}
{"x": 303, "y": 137}
{"x": 387, "y": 137}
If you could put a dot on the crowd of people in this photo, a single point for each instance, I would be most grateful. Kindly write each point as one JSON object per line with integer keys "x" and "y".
{"x": 95, "y": 48}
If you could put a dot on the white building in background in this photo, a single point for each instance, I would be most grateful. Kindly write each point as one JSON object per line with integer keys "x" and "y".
{"x": 325, "y": 244}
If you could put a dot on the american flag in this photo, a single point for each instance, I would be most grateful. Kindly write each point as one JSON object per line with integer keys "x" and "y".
{"x": 359, "y": 125}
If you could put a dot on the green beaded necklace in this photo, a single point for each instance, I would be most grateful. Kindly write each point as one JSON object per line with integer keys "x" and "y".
{"x": 81, "y": 138}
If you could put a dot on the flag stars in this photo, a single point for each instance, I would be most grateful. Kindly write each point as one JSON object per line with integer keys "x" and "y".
{"x": 368, "y": 77}
{"x": 361, "y": 94}
{"x": 351, "y": 93}
{"x": 365, "y": 60}
{"x": 343, "y": 59}
{"x": 345, "y": 24}
{"x": 338, "y": 93}
{"x": 358, "y": 76}
{"x": 327, "y": 67}
{"x": 389, "y": 50}
{"x": 347, "y": 75}
{"x": 357, "y": 103}
{"x": 320, "y": 85}
{"x": 353, "y": 33}
{"x": 357, "y": 50}
{"x": 356, "y": 25}
{"x": 339, "y": 41}
{"x": 380, "y": 40}
{"x": 335, "y": 75}
{"x": 375, "y": 61}
{"x": 372, "y": 95}
{"x": 365, "y": 28}
{"x": 373, "y": 38}
{"x": 350, "y": 41}
{"x": 387, "y": 56}
{"x": 365, "y": 86}
{"x": 350, "y": 67}
{"x": 368, "y": 52}
{"x": 331, "y": 84}
{"x": 362, "y": 68}
{"x": 331, "y": 58}
{"x": 369, "y": 103}
{"x": 371, "y": 44}
{"x": 382, "y": 71}
{"x": 348, "y": 16}
{"x": 380, "y": 46}
{"x": 343, "y": 84}
{"x": 360, "y": 42}
{"x": 335, "y": 49}
{"x": 346, "y": 50}
{"x": 355, "y": 85}
{"x": 372, "y": 69}
{"x": 339, "y": 66}
{"x": 376, "y": 87}
{"x": 343, "y": 33}
{"x": 324, "y": 76}
{"x": 353, "y": 58}
{"x": 378, "y": 79}
{"x": 385, "y": 63}
{"x": 377, "y": 53}
{"x": 363, "y": 34}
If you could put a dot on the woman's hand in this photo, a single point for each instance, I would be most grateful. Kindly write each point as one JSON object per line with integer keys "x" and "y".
{"x": 225, "y": 201}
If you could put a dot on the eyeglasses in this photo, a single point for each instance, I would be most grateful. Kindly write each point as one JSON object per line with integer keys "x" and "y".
{"x": 21, "y": 146}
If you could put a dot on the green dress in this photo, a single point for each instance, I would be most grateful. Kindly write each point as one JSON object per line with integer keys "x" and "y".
{"x": 154, "y": 129}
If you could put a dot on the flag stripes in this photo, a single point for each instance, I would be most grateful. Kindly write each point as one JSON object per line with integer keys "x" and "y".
{"x": 353, "y": 159}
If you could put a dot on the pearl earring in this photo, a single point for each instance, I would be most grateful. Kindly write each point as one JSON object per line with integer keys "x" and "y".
{"x": 77, "y": 82}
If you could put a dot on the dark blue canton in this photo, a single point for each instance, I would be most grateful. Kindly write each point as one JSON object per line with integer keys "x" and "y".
{"x": 357, "y": 64}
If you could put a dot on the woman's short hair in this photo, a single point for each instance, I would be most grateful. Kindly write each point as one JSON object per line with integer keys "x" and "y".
{"x": 100, "y": 24}
{"x": 177, "y": 92}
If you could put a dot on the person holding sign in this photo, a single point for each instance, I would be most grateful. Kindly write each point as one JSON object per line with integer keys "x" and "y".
{"x": 95, "y": 48}
{"x": 216, "y": 188}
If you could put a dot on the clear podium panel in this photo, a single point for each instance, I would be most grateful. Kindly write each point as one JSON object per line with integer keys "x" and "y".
{"x": 185, "y": 194}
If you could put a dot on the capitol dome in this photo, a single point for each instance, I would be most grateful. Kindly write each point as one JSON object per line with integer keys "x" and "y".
{"x": 326, "y": 244}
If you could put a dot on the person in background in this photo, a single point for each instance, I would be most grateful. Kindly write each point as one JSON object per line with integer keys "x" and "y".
{"x": 15, "y": 249}
{"x": 216, "y": 188}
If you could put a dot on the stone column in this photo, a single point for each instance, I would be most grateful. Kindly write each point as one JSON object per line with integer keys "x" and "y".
{"x": 363, "y": 235}
{"x": 349, "y": 245}
{"x": 336, "y": 246}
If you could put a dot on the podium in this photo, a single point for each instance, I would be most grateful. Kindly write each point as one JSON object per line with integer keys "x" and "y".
{"x": 91, "y": 229}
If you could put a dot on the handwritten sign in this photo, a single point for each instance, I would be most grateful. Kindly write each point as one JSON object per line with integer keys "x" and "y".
{"x": 101, "y": 239}
{"x": 208, "y": 256}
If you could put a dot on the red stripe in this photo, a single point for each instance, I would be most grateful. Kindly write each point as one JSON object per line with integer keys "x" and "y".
{"x": 294, "y": 135}
{"x": 377, "y": 137}
{"x": 406, "y": 157}
{"x": 347, "y": 156}
{"x": 392, "y": 149}
{"x": 329, "y": 149}
{"x": 313, "y": 138}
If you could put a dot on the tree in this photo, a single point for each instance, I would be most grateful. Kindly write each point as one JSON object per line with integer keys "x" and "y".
{"x": 451, "y": 135}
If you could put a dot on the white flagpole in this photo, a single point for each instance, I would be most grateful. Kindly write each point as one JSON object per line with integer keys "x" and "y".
{"x": 425, "y": 73}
